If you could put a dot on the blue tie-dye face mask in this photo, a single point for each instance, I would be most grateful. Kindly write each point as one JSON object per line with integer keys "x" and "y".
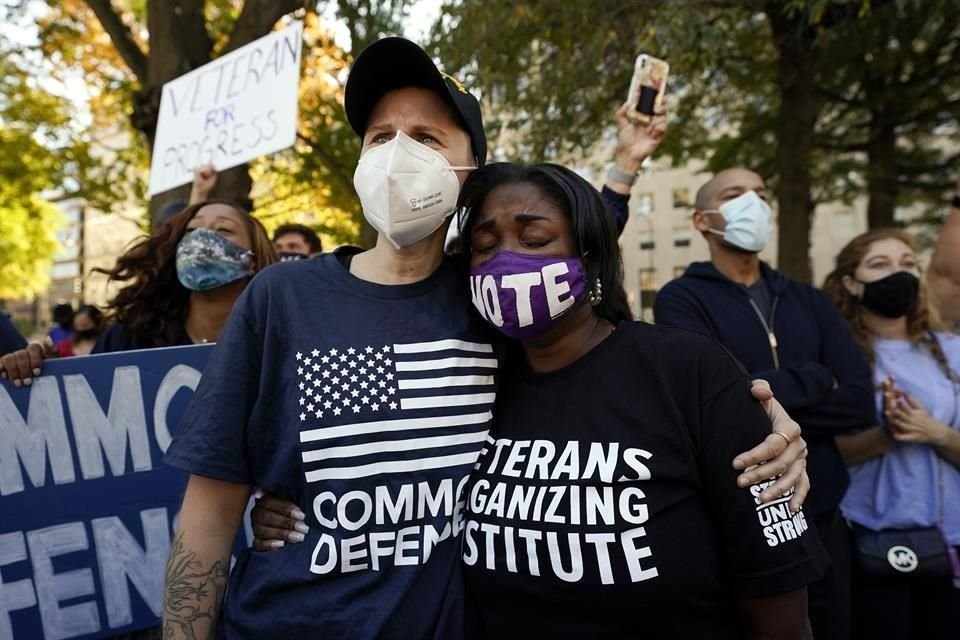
{"x": 206, "y": 260}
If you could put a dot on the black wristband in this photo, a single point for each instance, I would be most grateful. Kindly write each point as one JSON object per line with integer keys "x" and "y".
{"x": 955, "y": 203}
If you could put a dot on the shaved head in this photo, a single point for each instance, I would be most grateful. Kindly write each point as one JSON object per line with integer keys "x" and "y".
{"x": 727, "y": 185}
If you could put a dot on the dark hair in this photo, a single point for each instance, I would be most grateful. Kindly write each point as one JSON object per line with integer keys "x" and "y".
{"x": 309, "y": 235}
{"x": 594, "y": 231}
{"x": 922, "y": 320}
{"x": 63, "y": 315}
{"x": 93, "y": 312}
{"x": 153, "y": 306}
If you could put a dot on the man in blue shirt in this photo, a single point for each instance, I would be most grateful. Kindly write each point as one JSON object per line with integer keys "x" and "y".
{"x": 789, "y": 334}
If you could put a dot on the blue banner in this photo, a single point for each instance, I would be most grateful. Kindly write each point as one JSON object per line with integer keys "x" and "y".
{"x": 87, "y": 509}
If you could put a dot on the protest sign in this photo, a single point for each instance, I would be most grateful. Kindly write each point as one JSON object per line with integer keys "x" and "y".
{"x": 87, "y": 509}
{"x": 237, "y": 108}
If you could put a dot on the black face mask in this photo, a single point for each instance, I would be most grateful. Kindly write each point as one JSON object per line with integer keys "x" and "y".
{"x": 89, "y": 334}
{"x": 289, "y": 256}
{"x": 892, "y": 297}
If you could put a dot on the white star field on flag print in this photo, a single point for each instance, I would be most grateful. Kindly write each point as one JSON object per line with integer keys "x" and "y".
{"x": 353, "y": 381}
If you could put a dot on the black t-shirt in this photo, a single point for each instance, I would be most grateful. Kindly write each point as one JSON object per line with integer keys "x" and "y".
{"x": 605, "y": 505}
{"x": 119, "y": 338}
{"x": 760, "y": 294}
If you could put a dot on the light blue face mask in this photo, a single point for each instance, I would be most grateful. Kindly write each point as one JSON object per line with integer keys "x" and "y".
{"x": 206, "y": 260}
{"x": 749, "y": 222}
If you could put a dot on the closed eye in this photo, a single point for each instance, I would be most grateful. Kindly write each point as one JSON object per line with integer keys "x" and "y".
{"x": 483, "y": 242}
{"x": 535, "y": 244}
{"x": 483, "y": 248}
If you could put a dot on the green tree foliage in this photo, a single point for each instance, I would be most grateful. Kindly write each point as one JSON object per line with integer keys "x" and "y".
{"x": 27, "y": 243}
{"x": 753, "y": 84}
{"x": 34, "y": 159}
{"x": 126, "y": 50}
{"x": 891, "y": 95}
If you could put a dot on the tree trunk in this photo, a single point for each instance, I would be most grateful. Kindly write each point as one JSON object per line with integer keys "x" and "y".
{"x": 178, "y": 43}
{"x": 794, "y": 41}
{"x": 882, "y": 177}
{"x": 881, "y": 172}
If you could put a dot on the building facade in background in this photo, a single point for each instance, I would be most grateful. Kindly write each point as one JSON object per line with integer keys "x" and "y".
{"x": 88, "y": 239}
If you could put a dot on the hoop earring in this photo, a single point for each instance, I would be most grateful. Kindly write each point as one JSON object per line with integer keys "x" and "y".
{"x": 596, "y": 293}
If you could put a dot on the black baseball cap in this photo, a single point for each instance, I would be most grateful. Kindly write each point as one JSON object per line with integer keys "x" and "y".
{"x": 394, "y": 63}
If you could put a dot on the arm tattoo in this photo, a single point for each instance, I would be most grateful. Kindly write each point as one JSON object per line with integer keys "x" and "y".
{"x": 192, "y": 594}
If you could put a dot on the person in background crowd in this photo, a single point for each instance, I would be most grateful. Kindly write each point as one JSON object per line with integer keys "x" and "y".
{"x": 296, "y": 242}
{"x": 905, "y": 473}
{"x": 206, "y": 256}
{"x": 944, "y": 274}
{"x": 88, "y": 324}
{"x": 63, "y": 324}
{"x": 10, "y": 338}
{"x": 255, "y": 421}
{"x": 789, "y": 334}
{"x": 635, "y": 143}
{"x": 181, "y": 282}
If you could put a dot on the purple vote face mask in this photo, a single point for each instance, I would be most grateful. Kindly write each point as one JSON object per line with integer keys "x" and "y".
{"x": 524, "y": 296}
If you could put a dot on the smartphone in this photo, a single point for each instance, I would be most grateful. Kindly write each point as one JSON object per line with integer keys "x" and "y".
{"x": 647, "y": 88}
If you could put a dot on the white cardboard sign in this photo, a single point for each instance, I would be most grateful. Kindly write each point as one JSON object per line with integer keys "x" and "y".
{"x": 234, "y": 109}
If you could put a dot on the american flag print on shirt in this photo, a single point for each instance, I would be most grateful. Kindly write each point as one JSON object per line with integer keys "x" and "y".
{"x": 402, "y": 407}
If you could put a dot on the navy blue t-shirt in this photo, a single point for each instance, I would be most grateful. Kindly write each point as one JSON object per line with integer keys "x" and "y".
{"x": 10, "y": 338}
{"x": 118, "y": 338}
{"x": 368, "y": 405}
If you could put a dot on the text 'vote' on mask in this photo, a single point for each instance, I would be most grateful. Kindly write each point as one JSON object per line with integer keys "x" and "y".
{"x": 524, "y": 296}
{"x": 406, "y": 189}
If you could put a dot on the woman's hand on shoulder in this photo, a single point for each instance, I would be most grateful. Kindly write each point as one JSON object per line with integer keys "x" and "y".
{"x": 781, "y": 455}
{"x": 22, "y": 366}
{"x": 275, "y": 522}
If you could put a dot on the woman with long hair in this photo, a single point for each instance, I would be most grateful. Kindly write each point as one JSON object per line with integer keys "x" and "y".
{"x": 181, "y": 282}
{"x": 904, "y": 497}
{"x": 184, "y": 278}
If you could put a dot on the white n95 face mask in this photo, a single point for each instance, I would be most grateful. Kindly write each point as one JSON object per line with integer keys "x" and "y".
{"x": 406, "y": 189}
{"x": 749, "y": 222}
